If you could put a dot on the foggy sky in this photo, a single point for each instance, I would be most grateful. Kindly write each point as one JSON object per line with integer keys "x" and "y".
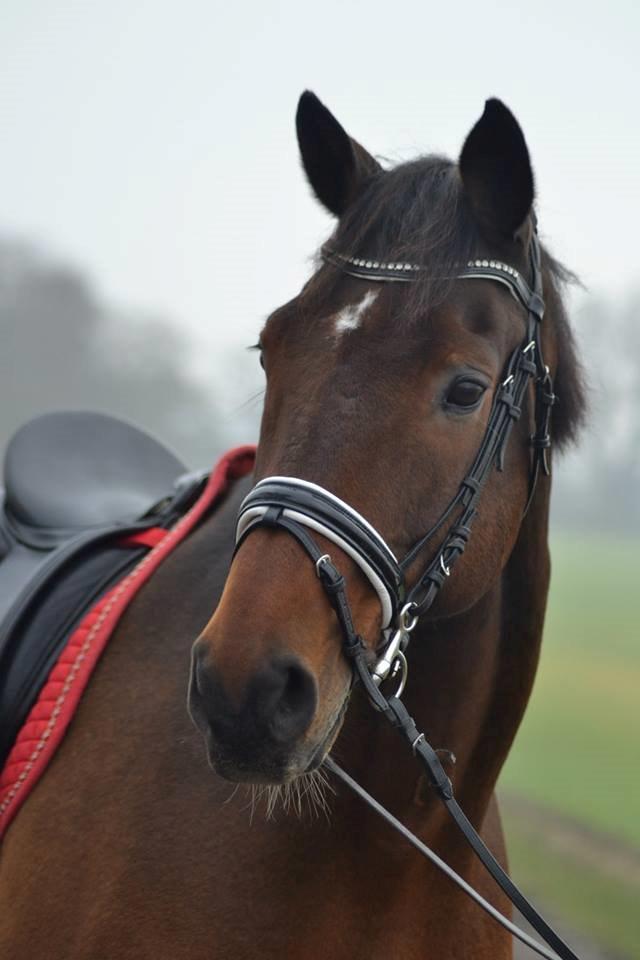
{"x": 153, "y": 142}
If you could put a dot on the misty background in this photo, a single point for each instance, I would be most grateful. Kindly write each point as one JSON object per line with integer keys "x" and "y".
{"x": 153, "y": 212}
{"x": 66, "y": 346}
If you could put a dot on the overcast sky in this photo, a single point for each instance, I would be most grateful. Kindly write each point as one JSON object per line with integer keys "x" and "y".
{"x": 153, "y": 142}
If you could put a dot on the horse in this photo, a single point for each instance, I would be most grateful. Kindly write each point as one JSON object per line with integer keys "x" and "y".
{"x": 229, "y": 837}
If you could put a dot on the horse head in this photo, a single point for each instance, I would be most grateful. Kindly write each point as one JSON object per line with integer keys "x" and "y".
{"x": 382, "y": 376}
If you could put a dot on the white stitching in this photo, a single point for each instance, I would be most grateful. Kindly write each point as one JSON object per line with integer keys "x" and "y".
{"x": 84, "y": 649}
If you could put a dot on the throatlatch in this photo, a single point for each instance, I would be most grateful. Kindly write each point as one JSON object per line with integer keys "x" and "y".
{"x": 302, "y": 508}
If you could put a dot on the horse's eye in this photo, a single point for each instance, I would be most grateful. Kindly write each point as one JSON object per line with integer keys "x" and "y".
{"x": 465, "y": 393}
{"x": 261, "y": 358}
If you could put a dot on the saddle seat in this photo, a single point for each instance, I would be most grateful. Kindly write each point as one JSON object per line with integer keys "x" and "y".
{"x": 81, "y": 491}
{"x": 69, "y": 472}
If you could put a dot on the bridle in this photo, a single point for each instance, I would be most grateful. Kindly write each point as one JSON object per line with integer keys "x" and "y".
{"x": 294, "y": 504}
{"x": 303, "y": 508}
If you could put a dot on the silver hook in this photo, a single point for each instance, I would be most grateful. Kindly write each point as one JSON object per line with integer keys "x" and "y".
{"x": 387, "y": 664}
{"x": 400, "y": 664}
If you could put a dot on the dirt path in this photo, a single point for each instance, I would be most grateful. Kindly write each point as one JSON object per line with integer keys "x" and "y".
{"x": 603, "y": 853}
{"x": 583, "y": 948}
{"x": 595, "y": 852}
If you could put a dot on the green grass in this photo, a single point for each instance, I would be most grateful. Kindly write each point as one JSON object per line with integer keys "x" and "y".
{"x": 601, "y": 907}
{"x": 578, "y": 750}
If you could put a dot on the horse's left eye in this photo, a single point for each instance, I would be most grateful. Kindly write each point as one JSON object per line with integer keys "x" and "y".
{"x": 465, "y": 393}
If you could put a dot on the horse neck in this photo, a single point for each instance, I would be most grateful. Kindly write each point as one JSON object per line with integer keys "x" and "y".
{"x": 470, "y": 678}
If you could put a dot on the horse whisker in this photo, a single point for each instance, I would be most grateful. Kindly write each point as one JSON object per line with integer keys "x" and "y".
{"x": 231, "y": 795}
{"x": 307, "y": 793}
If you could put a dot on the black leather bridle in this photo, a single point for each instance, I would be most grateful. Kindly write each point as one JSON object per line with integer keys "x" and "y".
{"x": 303, "y": 508}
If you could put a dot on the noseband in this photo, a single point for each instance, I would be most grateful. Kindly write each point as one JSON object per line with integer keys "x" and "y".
{"x": 302, "y": 508}
{"x": 291, "y": 503}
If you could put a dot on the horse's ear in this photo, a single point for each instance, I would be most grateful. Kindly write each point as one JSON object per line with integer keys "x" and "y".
{"x": 336, "y": 166}
{"x": 496, "y": 171}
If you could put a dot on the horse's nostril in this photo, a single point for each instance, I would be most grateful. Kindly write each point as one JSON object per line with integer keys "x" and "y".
{"x": 273, "y": 709}
{"x": 286, "y": 698}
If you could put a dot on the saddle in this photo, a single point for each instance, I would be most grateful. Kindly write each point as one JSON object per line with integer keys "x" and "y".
{"x": 80, "y": 492}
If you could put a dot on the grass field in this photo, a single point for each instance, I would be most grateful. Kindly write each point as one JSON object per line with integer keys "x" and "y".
{"x": 601, "y": 907}
{"x": 578, "y": 751}
{"x": 579, "y": 747}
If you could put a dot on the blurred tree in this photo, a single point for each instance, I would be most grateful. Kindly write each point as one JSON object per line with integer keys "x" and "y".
{"x": 62, "y": 347}
{"x": 596, "y": 486}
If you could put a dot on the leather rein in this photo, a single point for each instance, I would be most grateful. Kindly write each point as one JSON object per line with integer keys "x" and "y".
{"x": 303, "y": 508}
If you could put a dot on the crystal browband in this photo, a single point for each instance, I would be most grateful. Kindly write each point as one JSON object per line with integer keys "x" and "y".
{"x": 403, "y": 272}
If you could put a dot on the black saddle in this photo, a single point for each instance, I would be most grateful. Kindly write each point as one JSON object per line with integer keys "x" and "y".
{"x": 76, "y": 484}
{"x": 68, "y": 472}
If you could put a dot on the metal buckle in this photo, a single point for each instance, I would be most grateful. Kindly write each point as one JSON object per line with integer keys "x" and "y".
{"x": 393, "y": 654}
{"x": 325, "y": 558}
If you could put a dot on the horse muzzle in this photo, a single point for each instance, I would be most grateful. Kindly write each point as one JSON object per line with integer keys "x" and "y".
{"x": 258, "y": 736}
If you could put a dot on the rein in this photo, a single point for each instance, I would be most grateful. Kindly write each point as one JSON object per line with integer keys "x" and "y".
{"x": 303, "y": 508}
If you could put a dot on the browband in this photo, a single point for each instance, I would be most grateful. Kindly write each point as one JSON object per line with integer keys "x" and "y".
{"x": 320, "y": 510}
{"x": 376, "y": 270}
